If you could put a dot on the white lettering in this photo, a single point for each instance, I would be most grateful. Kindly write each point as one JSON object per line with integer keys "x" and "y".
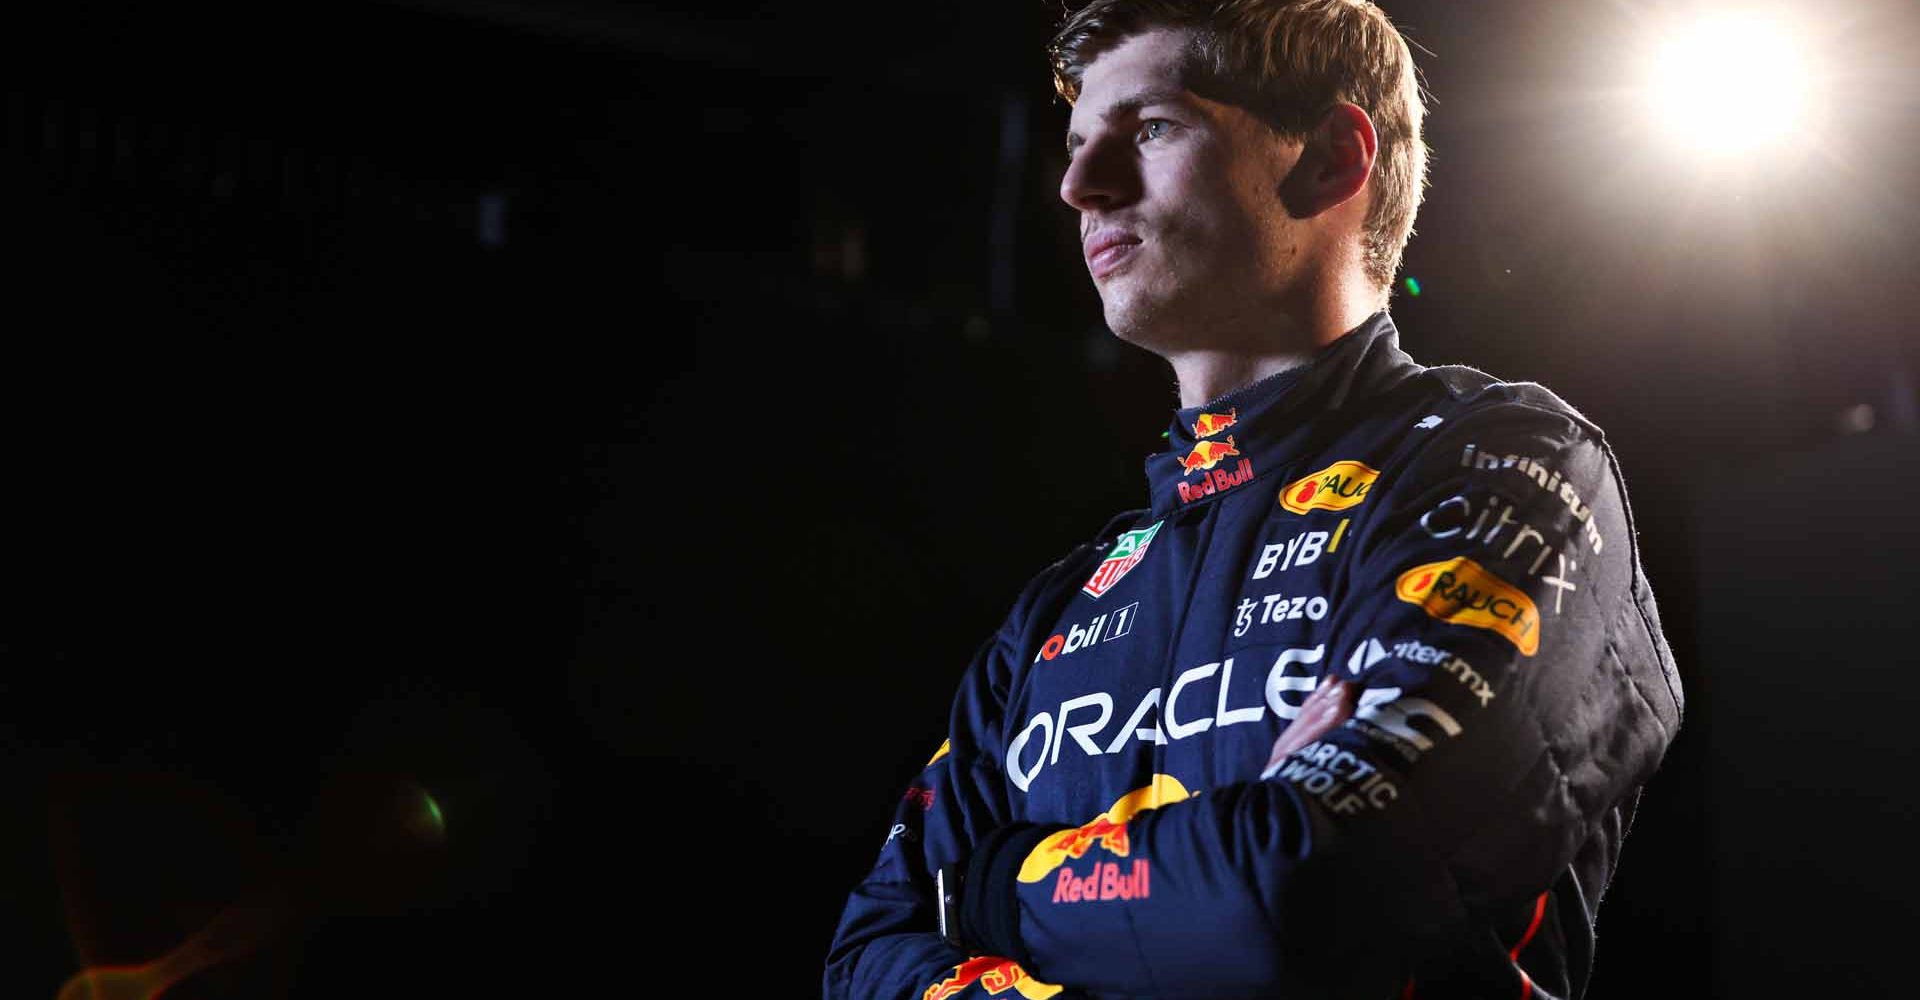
{"x": 1181, "y": 730}
{"x": 1079, "y": 732}
{"x": 1281, "y": 679}
{"x": 1133, "y": 728}
{"x": 1302, "y": 549}
{"x": 1397, "y": 717}
{"x": 1224, "y": 716}
{"x": 1021, "y": 779}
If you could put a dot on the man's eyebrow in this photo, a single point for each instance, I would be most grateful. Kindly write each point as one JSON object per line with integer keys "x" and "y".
{"x": 1127, "y": 107}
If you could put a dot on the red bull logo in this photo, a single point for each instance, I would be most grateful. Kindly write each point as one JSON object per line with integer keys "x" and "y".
{"x": 1106, "y": 881}
{"x": 1207, "y": 454}
{"x": 1109, "y": 829}
{"x": 1074, "y": 843}
{"x": 995, "y": 975}
{"x": 1209, "y": 424}
{"x": 1217, "y": 481}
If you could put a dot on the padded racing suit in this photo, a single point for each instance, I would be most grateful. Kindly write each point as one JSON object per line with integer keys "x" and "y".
{"x": 1461, "y": 550}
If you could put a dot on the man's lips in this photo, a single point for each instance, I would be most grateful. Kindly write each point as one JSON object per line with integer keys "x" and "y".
{"x": 1107, "y": 249}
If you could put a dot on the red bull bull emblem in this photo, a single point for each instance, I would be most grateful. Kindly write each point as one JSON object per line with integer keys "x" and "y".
{"x": 1203, "y": 458}
{"x": 1209, "y": 424}
{"x": 995, "y": 975}
{"x": 1107, "y": 880}
{"x": 1207, "y": 454}
{"x": 1127, "y": 552}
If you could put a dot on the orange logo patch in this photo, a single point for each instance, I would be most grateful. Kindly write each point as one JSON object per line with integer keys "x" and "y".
{"x": 1336, "y": 487}
{"x": 1463, "y": 592}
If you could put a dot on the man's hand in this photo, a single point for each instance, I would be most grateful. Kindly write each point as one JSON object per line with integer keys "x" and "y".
{"x": 1327, "y": 707}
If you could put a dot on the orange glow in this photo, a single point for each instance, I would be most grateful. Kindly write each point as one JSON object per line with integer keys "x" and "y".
{"x": 235, "y": 932}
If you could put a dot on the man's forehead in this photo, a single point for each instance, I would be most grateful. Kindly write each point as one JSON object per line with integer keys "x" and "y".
{"x": 1146, "y": 68}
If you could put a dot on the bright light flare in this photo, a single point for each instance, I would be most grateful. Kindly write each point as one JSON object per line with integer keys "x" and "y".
{"x": 1728, "y": 83}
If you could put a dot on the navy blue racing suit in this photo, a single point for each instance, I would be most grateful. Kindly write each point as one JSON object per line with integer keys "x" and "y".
{"x": 1458, "y": 548}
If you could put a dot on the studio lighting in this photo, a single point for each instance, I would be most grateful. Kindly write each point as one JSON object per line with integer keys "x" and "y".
{"x": 1727, "y": 83}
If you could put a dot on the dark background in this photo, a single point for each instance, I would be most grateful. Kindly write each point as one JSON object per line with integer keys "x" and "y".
{"x": 621, "y": 422}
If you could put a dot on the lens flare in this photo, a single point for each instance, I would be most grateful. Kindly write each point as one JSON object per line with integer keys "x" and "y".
{"x": 1727, "y": 83}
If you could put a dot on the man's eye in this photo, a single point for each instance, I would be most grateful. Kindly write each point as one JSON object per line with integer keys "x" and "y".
{"x": 1154, "y": 128}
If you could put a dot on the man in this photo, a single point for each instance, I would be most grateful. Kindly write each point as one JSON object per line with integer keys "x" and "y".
{"x": 1361, "y": 706}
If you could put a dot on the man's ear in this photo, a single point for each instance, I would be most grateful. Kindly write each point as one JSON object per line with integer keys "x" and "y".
{"x": 1334, "y": 163}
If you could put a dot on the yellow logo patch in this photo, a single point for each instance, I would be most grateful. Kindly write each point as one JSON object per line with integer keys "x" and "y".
{"x": 1461, "y": 591}
{"x": 1336, "y": 487}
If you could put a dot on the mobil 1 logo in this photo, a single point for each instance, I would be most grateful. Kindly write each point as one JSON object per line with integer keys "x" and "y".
{"x": 1104, "y": 627}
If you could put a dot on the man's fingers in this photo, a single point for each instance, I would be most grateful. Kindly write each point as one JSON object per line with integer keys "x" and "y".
{"x": 1327, "y": 707}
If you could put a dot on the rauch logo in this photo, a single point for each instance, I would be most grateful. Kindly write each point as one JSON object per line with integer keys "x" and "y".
{"x": 1461, "y": 591}
{"x": 1336, "y": 487}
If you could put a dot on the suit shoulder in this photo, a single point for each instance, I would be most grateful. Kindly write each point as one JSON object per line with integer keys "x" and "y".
{"x": 1477, "y": 397}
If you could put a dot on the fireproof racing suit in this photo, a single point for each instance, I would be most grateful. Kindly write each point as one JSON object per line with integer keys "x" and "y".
{"x": 1460, "y": 550}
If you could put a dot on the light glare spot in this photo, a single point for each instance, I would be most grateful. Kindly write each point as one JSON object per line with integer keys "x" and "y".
{"x": 1727, "y": 83}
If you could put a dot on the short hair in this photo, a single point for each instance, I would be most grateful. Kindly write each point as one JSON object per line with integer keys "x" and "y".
{"x": 1287, "y": 61}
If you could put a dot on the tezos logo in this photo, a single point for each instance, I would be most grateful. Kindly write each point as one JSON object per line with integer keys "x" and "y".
{"x": 1277, "y": 608}
{"x": 1461, "y": 591}
{"x": 1127, "y": 552}
{"x": 1336, "y": 487}
{"x": 1103, "y": 628}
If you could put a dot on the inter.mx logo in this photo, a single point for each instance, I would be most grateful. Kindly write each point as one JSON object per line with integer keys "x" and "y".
{"x": 1103, "y": 628}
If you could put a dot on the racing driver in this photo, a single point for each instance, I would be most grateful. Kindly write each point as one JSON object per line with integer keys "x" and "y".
{"x": 1362, "y": 704}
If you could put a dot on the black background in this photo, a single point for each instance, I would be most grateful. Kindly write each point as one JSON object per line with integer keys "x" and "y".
{"x": 621, "y": 423}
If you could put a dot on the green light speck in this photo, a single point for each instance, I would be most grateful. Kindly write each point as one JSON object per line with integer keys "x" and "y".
{"x": 434, "y": 808}
{"x": 1413, "y": 287}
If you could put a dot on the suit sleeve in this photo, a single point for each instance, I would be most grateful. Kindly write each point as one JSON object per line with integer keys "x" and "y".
{"x": 888, "y": 943}
{"x": 1511, "y": 695}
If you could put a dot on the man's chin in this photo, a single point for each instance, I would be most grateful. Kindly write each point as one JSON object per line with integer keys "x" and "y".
{"x": 1139, "y": 323}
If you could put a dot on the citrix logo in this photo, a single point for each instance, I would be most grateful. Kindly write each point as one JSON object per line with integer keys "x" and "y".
{"x": 1544, "y": 477}
{"x": 1103, "y": 628}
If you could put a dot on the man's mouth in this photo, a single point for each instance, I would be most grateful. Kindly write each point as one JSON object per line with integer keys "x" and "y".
{"x": 1108, "y": 249}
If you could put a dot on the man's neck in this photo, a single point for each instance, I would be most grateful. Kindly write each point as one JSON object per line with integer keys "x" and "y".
{"x": 1208, "y": 374}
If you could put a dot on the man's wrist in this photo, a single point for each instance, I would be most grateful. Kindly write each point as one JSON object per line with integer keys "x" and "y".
{"x": 985, "y": 901}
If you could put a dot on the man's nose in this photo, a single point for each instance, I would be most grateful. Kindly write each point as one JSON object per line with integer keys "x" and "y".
{"x": 1100, "y": 176}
